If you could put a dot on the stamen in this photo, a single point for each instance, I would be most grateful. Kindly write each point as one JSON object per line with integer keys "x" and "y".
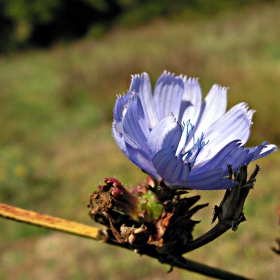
{"x": 187, "y": 131}
{"x": 189, "y": 157}
{"x": 200, "y": 143}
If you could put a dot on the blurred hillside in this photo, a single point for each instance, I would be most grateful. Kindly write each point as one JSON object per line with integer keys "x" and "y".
{"x": 56, "y": 146}
{"x": 28, "y": 24}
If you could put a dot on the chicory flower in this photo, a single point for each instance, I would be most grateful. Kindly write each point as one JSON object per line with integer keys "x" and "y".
{"x": 176, "y": 137}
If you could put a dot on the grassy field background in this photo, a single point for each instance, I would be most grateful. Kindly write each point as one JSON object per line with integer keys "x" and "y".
{"x": 56, "y": 145}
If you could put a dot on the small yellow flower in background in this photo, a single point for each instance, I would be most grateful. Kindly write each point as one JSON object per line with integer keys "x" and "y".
{"x": 21, "y": 171}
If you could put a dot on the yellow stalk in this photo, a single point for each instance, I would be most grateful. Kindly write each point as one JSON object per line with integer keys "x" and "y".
{"x": 54, "y": 223}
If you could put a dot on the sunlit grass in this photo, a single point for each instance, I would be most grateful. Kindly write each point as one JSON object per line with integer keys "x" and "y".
{"x": 55, "y": 117}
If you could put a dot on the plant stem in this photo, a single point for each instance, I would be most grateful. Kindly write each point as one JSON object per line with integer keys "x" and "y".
{"x": 212, "y": 234}
{"x": 37, "y": 219}
{"x": 53, "y": 223}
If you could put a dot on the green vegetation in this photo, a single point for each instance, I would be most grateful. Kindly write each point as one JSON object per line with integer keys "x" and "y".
{"x": 35, "y": 23}
{"x": 56, "y": 144}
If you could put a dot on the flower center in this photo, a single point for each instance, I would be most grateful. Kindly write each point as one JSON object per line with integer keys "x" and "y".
{"x": 185, "y": 151}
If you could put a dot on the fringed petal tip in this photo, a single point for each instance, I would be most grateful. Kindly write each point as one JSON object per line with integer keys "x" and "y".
{"x": 167, "y": 73}
{"x": 219, "y": 88}
{"x": 136, "y": 76}
{"x": 263, "y": 150}
{"x": 190, "y": 80}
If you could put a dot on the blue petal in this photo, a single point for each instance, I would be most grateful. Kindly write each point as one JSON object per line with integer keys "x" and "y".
{"x": 120, "y": 106}
{"x": 142, "y": 159}
{"x": 262, "y": 150}
{"x": 237, "y": 157}
{"x": 220, "y": 160}
{"x": 131, "y": 124}
{"x": 213, "y": 107}
{"x": 210, "y": 180}
{"x": 266, "y": 151}
{"x": 141, "y": 85}
{"x": 233, "y": 125}
{"x": 171, "y": 169}
{"x": 242, "y": 157}
{"x": 119, "y": 139}
{"x": 175, "y": 173}
{"x": 191, "y": 101}
{"x": 165, "y": 134}
{"x": 168, "y": 95}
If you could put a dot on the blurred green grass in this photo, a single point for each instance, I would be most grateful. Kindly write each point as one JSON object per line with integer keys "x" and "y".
{"x": 56, "y": 144}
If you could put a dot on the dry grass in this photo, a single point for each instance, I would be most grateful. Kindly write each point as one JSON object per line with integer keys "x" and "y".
{"x": 56, "y": 109}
